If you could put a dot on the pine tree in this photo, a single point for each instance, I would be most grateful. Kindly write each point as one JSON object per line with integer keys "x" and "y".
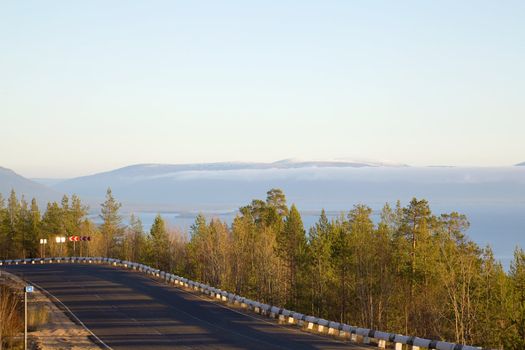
{"x": 53, "y": 225}
{"x": 13, "y": 216}
{"x": 342, "y": 255}
{"x": 321, "y": 238}
{"x": 291, "y": 246}
{"x": 517, "y": 295}
{"x": 197, "y": 249}
{"x": 22, "y": 229}
{"x": 33, "y": 236}
{"x": 275, "y": 198}
{"x": 75, "y": 214}
{"x": 415, "y": 230}
{"x": 111, "y": 228}
{"x": 492, "y": 303}
{"x": 159, "y": 243}
{"x": 3, "y": 229}
{"x": 136, "y": 240}
{"x": 366, "y": 264}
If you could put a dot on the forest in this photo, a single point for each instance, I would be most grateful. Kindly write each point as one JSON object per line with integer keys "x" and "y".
{"x": 404, "y": 270}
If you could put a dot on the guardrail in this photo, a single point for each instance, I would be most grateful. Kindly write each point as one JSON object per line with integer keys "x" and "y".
{"x": 307, "y": 323}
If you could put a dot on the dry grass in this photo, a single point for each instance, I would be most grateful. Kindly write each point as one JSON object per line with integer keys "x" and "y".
{"x": 37, "y": 316}
{"x": 11, "y": 317}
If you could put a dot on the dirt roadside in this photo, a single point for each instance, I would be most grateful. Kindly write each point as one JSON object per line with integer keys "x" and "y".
{"x": 59, "y": 332}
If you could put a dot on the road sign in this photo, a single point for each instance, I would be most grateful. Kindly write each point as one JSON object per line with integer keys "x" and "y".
{"x": 79, "y": 238}
{"x": 29, "y": 289}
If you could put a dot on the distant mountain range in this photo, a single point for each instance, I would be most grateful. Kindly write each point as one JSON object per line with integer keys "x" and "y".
{"x": 10, "y": 180}
{"x": 204, "y": 185}
{"x": 521, "y": 164}
{"x": 153, "y": 185}
{"x": 311, "y": 184}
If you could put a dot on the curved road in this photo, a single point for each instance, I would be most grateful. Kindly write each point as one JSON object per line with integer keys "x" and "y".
{"x": 129, "y": 310}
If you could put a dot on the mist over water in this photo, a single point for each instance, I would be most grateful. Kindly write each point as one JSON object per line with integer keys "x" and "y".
{"x": 493, "y": 199}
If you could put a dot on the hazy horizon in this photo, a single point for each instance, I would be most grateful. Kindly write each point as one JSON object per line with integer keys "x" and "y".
{"x": 93, "y": 86}
{"x": 38, "y": 175}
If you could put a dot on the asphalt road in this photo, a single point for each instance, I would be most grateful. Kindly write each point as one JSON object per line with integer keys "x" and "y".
{"x": 128, "y": 310}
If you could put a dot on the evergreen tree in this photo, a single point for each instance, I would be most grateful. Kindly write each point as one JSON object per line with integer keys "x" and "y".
{"x": 367, "y": 266}
{"x": 75, "y": 214}
{"x": 53, "y": 225}
{"x": 159, "y": 243}
{"x": 342, "y": 255}
{"x": 321, "y": 239}
{"x": 517, "y": 295}
{"x": 33, "y": 236}
{"x": 198, "y": 250}
{"x": 492, "y": 302}
{"x": 275, "y": 198}
{"x": 111, "y": 228}
{"x": 415, "y": 231}
{"x": 135, "y": 240}
{"x": 22, "y": 230}
{"x": 291, "y": 246}
{"x": 3, "y": 229}
{"x": 13, "y": 215}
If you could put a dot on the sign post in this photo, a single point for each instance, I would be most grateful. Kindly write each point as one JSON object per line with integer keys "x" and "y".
{"x": 27, "y": 289}
{"x": 79, "y": 239}
{"x": 59, "y": 240}
{"x": 43, "y": 242}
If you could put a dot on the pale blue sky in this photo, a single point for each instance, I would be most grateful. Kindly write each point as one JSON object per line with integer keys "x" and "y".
{"x": 87, "y": 86}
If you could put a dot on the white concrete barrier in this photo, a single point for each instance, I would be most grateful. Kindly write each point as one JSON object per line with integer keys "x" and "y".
{"x": 382, "y": 339}
{"x": 441, "y": 345}
{"x": 322, "y": 325}
{"x": 311, "y": 321}
{"x": 296, "y": 318}
{"x": 418, "y": 343}
{"x": 274, "y": 312}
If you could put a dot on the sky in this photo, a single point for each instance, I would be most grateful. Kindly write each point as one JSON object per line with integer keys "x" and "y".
{"x": 88, "y": 86}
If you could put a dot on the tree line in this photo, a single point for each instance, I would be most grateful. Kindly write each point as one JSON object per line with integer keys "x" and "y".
{"x": 409, "y": 271}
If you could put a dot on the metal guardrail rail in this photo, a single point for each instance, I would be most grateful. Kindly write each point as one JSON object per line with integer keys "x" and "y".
{"x": 306, "y": 322}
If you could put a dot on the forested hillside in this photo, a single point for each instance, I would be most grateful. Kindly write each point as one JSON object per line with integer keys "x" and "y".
{"x": 414, "y": 272}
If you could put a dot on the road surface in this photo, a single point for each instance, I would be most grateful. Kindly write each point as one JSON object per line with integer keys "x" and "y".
{"x": 128, "y": 310}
